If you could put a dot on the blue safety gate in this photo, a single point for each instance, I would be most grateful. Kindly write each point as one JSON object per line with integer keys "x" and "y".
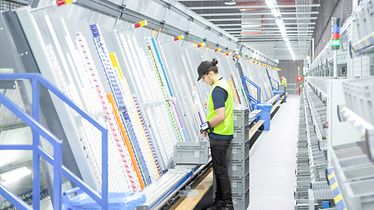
{"x": 271, "y": 80}
{"x": 56, "y": 161}
{"x": 253, "y": 101}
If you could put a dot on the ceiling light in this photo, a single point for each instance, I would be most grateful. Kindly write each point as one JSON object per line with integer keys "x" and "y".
{"x": 250, "y": 26}
{"x": 279, "y": 22}
{"x": 270, "y": 3}
{"x": 275, "y": 12}
{"x": 230, "y": 2}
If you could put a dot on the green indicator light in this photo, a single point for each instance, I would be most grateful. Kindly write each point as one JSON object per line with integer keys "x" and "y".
{"x": 335, "y": 43}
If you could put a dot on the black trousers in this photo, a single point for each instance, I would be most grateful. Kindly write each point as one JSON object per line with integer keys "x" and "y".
{"x": 218, "y": 150}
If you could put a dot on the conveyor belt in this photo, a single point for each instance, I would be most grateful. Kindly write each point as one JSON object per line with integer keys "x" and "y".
{"x": 160, "y": 192}
{"x": 201, "y": 195}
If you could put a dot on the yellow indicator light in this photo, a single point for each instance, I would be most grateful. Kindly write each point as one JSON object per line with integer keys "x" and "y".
{"x": 201, "y": 44}
{"x": 140, "y": 24}
{"x": 177, "y": 38}
{"x": 63, "y": 2}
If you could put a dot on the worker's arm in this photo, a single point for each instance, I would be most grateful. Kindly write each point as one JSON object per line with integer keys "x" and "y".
{"x": 220, "y": 117}
{"x": 219, "y": 97}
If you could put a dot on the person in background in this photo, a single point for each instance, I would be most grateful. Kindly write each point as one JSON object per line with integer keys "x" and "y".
{"x": 219, "y": 128}
{"x": 284, "y": 85}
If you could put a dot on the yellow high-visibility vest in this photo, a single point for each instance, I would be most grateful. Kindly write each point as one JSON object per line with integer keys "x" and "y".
{"x": 227, "y": 126}
{"x": 284, "y": 82}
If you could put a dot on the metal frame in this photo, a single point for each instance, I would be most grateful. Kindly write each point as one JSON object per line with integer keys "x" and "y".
{"x": 253, "y": 7}
{"x": 254, "y": 19}
{"x": 345, "y": 114}
{"x": 262, "y": 40}
{"x": 254, "y": 14}
{"x": 262, "y": 24}
{"x": 253, "y": 101}
{"x": 266, "y": 29}
{"x": 56, "y": 161}
{"x": 40, "y": 53}
{"x": 271, "y": 83}
{"x": 270, "y": 34}
{"x": 122, "y": 12}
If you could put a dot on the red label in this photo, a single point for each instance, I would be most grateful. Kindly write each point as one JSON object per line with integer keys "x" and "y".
{"x": 335, "y": 36}
{"x": 60, "y": 2}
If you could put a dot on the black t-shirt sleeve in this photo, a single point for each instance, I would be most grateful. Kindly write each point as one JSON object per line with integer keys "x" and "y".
{"x": 219, "y": 97}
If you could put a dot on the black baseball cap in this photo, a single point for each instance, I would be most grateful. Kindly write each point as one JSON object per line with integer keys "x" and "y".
{"x": 204, "y": 68}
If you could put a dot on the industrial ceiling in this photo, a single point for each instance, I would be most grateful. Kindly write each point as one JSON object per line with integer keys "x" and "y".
{"x": 281, "y": 29}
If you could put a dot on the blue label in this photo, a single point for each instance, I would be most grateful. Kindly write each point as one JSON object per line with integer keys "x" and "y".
{"x": 95, "y": 30}
{"x": 336, "y": 29}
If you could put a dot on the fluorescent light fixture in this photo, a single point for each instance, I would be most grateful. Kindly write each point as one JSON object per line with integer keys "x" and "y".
{"x": 279, "y": 22}
{"x": 271, "y": 4}
{"x": 14, "y": 175}
{"x": 230, "y": 2}
{"x": 250, "y": 26}
{"x": 275, "y": 12}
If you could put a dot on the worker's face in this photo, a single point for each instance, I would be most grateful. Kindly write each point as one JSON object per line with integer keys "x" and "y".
{"x": 207, "y": 78}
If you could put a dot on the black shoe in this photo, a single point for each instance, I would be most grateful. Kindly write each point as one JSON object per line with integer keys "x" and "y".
{"x": 217, "y": 205}
{"x": 221, "y": 205}
{"x": 229, "y": 207}
{"x": 211, "y": 208}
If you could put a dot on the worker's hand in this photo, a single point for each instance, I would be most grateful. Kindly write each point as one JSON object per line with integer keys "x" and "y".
{"x": 203, "y": 134}
{"x": 205, "y": 127}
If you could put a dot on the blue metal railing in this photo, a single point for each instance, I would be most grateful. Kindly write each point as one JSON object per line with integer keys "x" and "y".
{"x": 277, "y": 88}
{"x": 271, "y": 82}
{"x": 56, "y": 161}
{"x": 252, "y": 100}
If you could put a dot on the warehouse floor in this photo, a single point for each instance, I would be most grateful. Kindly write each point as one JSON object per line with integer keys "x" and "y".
{"x": 273, "y": 161}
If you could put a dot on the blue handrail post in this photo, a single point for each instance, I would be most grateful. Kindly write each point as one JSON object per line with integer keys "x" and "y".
{"x": 246, "y": 91}
{"x": 57, "y": 176}
{"x": 35, "y": 145}
{"x": 277, "y": 84}
{"x": 258, "y": 93}
{"x": 104, "y": 163}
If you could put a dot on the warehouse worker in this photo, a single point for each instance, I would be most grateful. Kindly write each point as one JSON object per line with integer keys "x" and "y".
{"x": 220, "y": 128}
{"x": 284, "y": 85}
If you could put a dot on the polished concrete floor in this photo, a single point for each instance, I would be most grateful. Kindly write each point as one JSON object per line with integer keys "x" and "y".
{"x": 273, "y": 161}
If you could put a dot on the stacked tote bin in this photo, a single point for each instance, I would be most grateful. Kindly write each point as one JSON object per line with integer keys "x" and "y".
{"x": 238, "y": 160}
{"x": 191, "y": 152}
